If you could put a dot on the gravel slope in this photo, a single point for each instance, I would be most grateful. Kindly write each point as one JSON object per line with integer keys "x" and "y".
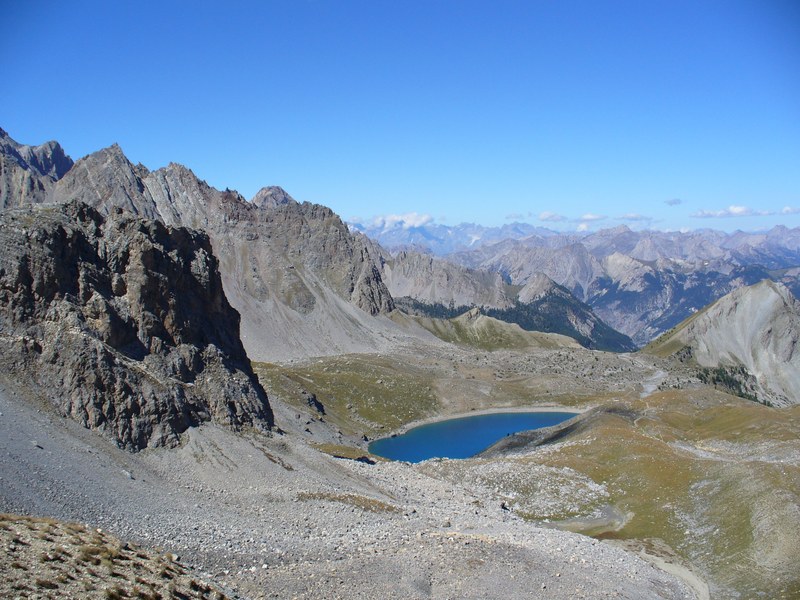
{"x": 271, "y": 517}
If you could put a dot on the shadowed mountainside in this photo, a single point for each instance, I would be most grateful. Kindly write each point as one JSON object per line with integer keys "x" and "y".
{"x": 427, "y": 286}
{"x": 28, "y": 173}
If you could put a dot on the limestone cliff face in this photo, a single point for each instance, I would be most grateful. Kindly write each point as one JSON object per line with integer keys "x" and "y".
{"x": 434, "y": 280}
{"x": 28, "y": 173}
{"x": 122, "y": 324}
{"x": 293, "y": 270}
{"x": 312, "y": 240}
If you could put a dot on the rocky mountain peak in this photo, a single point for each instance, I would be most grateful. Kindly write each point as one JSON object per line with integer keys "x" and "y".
{"x": 51, "y": 160}
{"x": 106, "y": 179}
{"x": 289, "y": 263}
{"x": 272, "y": 196}
{"x": 28, "y": 173}
{"x": 538, "y": 285}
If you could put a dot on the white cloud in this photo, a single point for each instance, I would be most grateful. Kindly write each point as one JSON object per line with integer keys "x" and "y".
{"x": 733, "y": 210}
{"x": 591, "y": 217}
{"x": 514, "y": 217}
{"x": 634, "y": 217}
{"x": 404, "y": 221}
{"x": 790, "y": 210}
{"x": 673, "y": 201}
{"x": 551, "y": 217}
{"x": 583, "y": 227}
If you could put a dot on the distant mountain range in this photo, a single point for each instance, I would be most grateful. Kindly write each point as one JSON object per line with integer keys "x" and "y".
{"x": 639, "y": 282}
{"x": 774, "y": 249}
{"x": 440, "y": 240}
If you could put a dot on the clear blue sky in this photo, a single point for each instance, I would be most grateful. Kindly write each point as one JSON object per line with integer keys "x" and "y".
{"x": 664, "y": 114}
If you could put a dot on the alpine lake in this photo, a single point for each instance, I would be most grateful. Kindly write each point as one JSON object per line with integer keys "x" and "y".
{"x": 462, "y": 437}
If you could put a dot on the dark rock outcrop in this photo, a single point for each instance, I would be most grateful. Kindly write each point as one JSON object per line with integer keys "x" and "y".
{"x": 122, "y": 324}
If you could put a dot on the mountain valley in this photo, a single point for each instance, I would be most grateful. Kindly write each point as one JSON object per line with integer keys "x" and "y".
{"x": 199, "y": 376}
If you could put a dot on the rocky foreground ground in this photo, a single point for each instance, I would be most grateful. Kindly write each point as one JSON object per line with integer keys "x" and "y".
{"x": 46, "y": 558}
{"x": 272, "y": 517}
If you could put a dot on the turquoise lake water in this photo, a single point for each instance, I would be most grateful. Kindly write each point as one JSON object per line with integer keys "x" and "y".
{"x": 462, "y": 437}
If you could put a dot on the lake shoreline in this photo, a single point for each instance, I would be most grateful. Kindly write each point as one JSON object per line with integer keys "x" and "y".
{"x": 544, "y": 408}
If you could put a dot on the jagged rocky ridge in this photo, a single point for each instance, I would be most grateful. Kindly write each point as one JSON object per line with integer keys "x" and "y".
{"x": 122, "y": 324}
{"x": 301, "y": 281}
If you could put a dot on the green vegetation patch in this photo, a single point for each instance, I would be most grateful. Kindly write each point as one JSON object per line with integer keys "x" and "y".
{"x": 361, "y": 393}
{"x": 735, "y": 380}
{"x": 349, "y": 452}
{"x": 476, "y": 330}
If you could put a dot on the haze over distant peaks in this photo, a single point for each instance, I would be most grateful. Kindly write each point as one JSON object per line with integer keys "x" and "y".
{"x": 439, "y": 239}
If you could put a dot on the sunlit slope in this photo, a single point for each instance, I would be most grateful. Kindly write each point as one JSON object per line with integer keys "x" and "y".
{"x": 755, "y": 327}
{"x": 476, "y": 330}
{"x": 710, "y": 478}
